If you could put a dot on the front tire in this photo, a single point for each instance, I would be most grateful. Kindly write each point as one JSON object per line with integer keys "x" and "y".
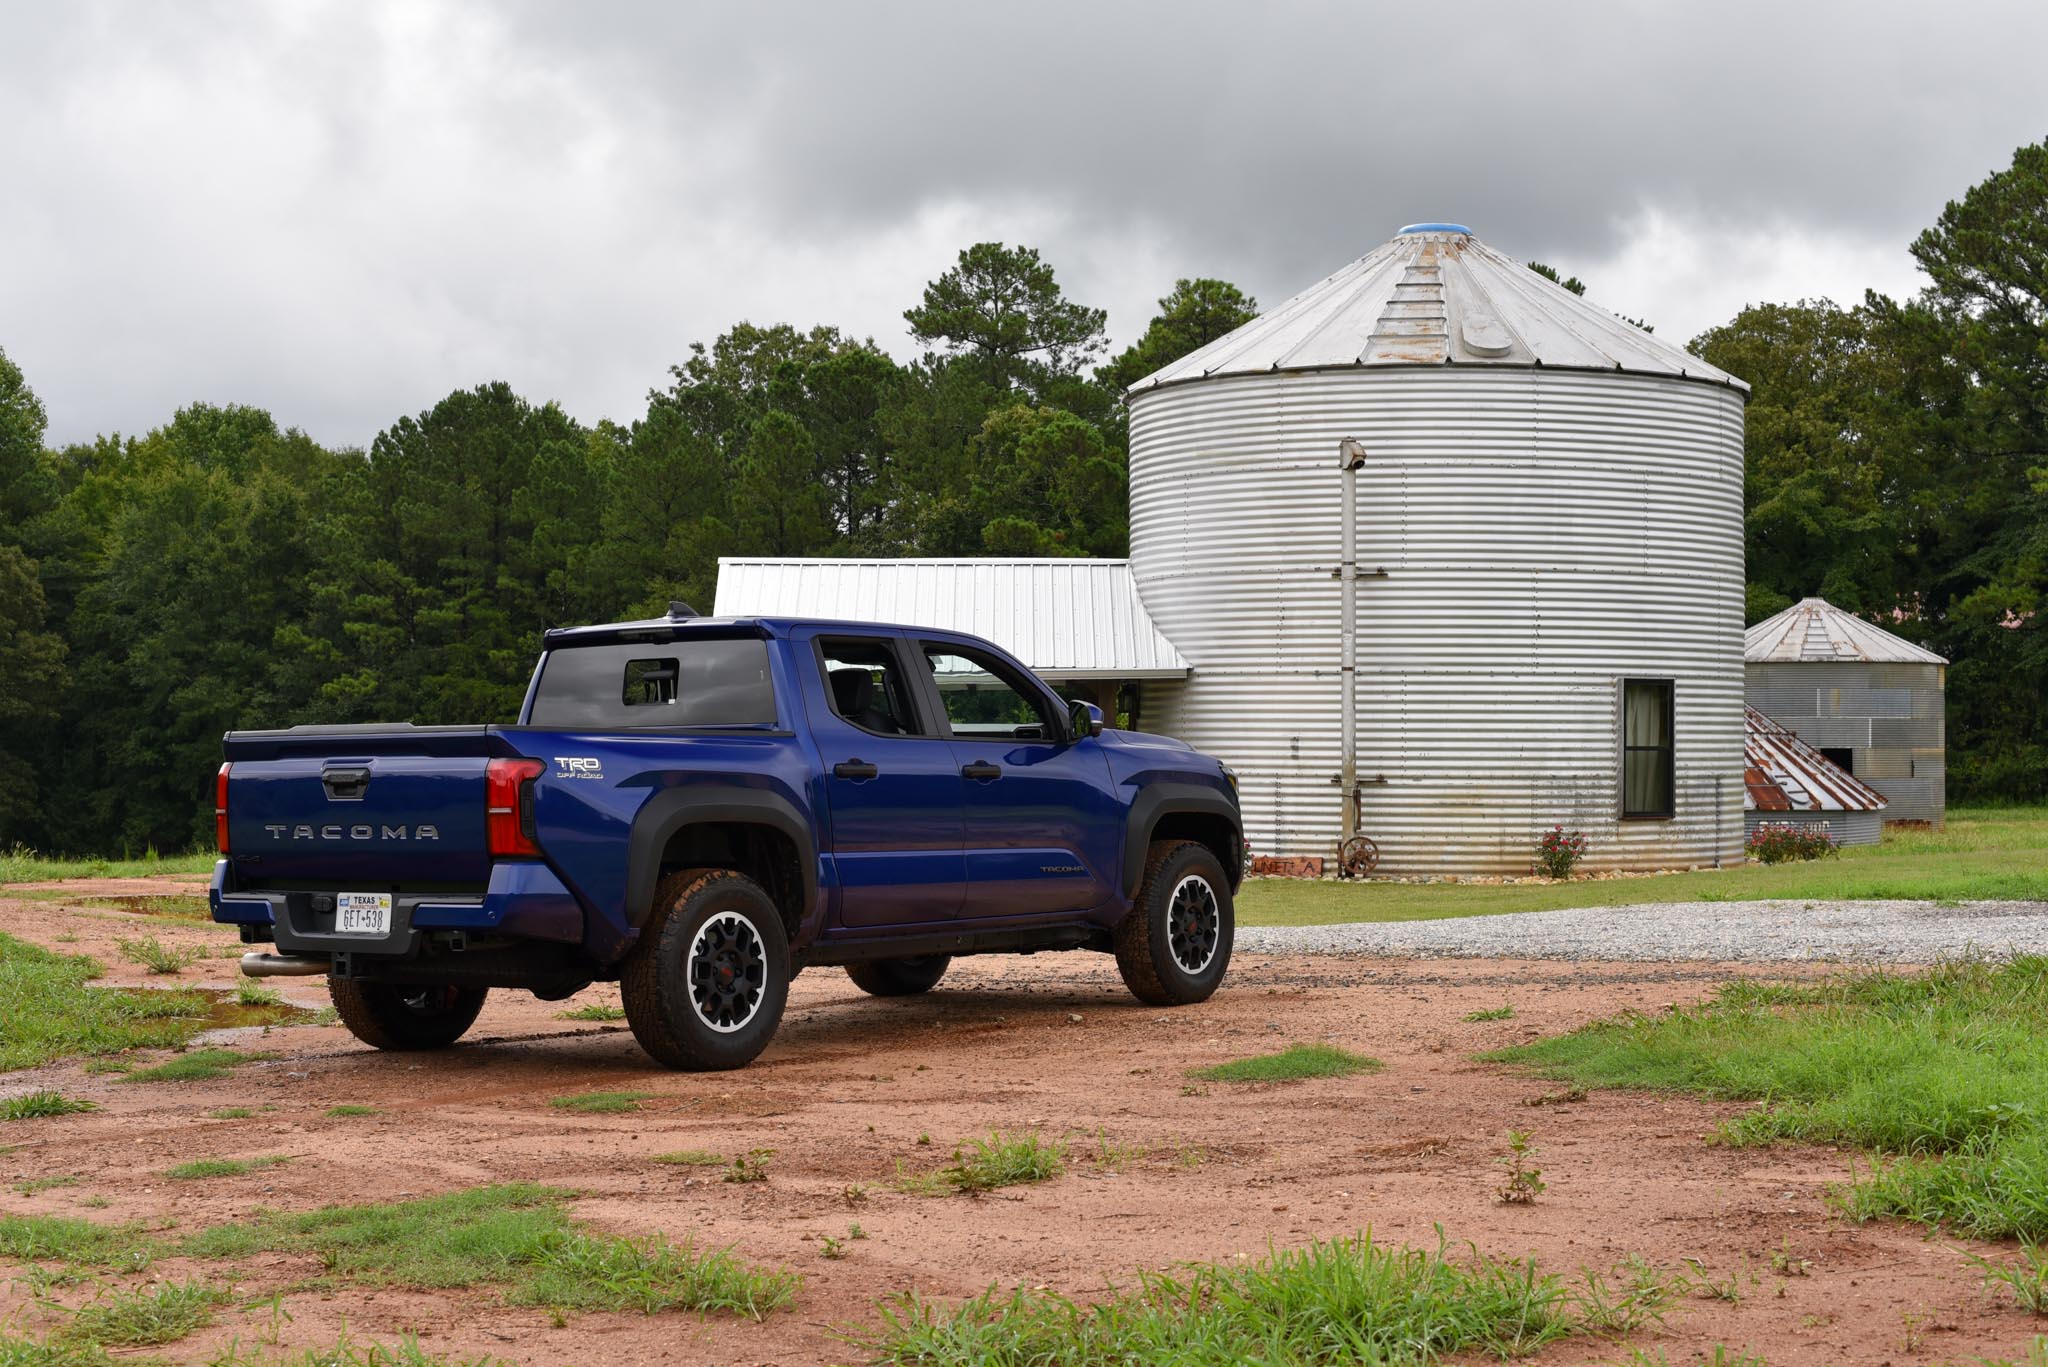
{"x": 899, "y": 977}
{"x": 405, "y": 1018}
{"x": 705, "y": 988}
{"x": 1174, "y": 944}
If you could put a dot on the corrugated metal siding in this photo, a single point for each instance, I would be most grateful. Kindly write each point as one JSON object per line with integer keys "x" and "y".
{"x": 1545, "y": 534}
{"x": 1848, "y": 828}
{"x": 1064, "y": 618}
{"x": 1891, "y": 715}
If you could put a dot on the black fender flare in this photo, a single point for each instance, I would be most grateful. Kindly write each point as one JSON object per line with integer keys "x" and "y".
{"x": 672, "y": 809}
{"x": 1165, "y": 798}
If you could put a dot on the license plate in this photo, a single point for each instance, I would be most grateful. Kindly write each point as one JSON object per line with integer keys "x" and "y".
{"x": 362, "y": 913}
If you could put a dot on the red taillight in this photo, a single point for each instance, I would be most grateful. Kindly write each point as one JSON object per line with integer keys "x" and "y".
{"x": 506, "y": 830}
{"x": 220, "y": 809}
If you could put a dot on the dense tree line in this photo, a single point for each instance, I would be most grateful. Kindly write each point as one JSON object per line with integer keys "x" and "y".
{"x": 222, "y": 571}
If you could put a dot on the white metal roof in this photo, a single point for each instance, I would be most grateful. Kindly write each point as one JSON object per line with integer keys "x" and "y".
{"x": 1436, "y": 294}
{"x": 1067, "y": 619}
{"x": 1814, "y": 629}
{"x": 1782, "y": 773}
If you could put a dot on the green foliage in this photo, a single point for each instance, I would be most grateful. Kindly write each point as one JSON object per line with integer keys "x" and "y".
{"x": 201, "y": 1065}
{"x": 593, "y": 1011}
{"x": 223, "y": 1167}
{"x": 80, "y": 1243}
{"x": 1344, "y": 1301}
{"x": 1945, "y": 1071}
{"x": 692, "y": 1158}
{"x": 1003, "y": 1160}
{"x": 349, "y": 1352}
{"x": 600, "y": 1103}
{"x": 1779, "y": 842}
{"x": 1000, "y": 310}
{"x": 1194, "y": 315}
{"x": 1295, "y": 1062}
{"x": 48, "y": 1012}
{"x": 157, "y": 957}
{"x": 39, "y": 1104}
{"x": 350, "y": 1111}
{"x": 163, "y": 1313}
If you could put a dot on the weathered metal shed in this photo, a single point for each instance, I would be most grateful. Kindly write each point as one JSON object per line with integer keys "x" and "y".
{"x": 1869, "y": 700}
{"x": 1787, "y": 782}
{"x": 1547, "y": 580}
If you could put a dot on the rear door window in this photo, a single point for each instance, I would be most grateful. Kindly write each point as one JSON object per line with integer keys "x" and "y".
{"x": 865, "y": 683}
{"x": 656, "y": 683}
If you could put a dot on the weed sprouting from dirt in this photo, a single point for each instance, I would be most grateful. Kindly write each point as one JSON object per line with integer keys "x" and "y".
{"x": 347, "y": 1352}
{"x": 855, "y": 1194}
{"x": 1112, "y": 1156}
{"x": 224, "y": 1167}
{"x": 251, "y": 993}
{"x": 595, "y": 1011}
{"x": 1504, "y": 1012}
{"x": 350, "y": 1110}
{"x": 1349, "y": 1299}
{"x": 1003, "y": 1160}
{"x": 76, "y": 1243}
{"x": 749, "y": 1167}
{"x": 834, "y": 1249}
{"x": 691, "y": 1158}
{"x": 1524, "y": 1183}
{"x": 1291, "y": 1064}
{"x": 201, "y": 1065}
{"x": 2027, "y": 1278}
{"x": 33, "y": 1185}
{"x": 601, "y": 1103}
{"x": 230, "y": 1113}
{"x": 38, "y": 1104}
{"x": 163, "y": 1313}
{"x": 1570, "y": 1096}
{"x": 158, "y": 957}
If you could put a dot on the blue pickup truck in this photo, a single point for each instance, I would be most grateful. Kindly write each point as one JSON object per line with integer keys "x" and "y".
{"x": 702, "y": 808}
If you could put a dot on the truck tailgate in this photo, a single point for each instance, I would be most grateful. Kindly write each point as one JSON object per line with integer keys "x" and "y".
{"x": 359, "y": 807}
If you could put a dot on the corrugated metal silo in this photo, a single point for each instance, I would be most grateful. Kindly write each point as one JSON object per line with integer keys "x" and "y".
{"x": 1550, "y": 505}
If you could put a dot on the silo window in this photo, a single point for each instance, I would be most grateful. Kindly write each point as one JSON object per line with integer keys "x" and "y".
{"x": 1646, "y": 748}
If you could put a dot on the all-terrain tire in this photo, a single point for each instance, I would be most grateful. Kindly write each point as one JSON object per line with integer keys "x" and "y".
{"x": 401, "y": 1018}
{"x": 899, "y": 977}
{"x": 1174, "y": 944}
{"x": 705, "y": 987}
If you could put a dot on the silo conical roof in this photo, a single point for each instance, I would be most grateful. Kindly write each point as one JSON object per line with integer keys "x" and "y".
{"x": 1433, "y": 295}
{"x": 1815, "y": 630}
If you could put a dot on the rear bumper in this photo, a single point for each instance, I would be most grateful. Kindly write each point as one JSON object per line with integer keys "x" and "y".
{"x": 524, "y": 900}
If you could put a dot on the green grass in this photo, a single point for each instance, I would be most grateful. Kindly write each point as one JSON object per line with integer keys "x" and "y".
{"x": 201, "y": 1065}
{"x": 26, "y": 866}
{"x": 250, "y": 993}
{"x": 516, "y": 1235}
{"x": 350, "y": 1111}
{"x": 343, "y": 1352}
{"x": 1983, "y": 853}
{"x": 50, "y": 1012}
{"x": 80, "y": 1243}
{"x": 1345, "y": 1301}
{"x": 232, "y": 1113}
{"x": 600, "y": 1103}
{"x": 163, "y": 1313}
{"x": 36, "y": 1105}
{"x": 24, "y": 1352}
{"x": 1504, "y": 1012}
{"x": 1940, "y": 1076}
{"x": 158, "y": 957}
{"x": 224, "y": 1167}
{"x": 692, "y": 1158}
{"x": 595, "y": 1011}
{"x": 33, "y": 1185}
{"x": 1005, "y": 1160}
{"x": 1291, "y": 1064}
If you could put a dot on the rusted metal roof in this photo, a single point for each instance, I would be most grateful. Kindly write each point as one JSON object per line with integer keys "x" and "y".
{"x": 1432, "y": 295}
{"x": 1813, "y": 629}
{"x": 1782, "y": 773}
{"x": 1066, "y": 618}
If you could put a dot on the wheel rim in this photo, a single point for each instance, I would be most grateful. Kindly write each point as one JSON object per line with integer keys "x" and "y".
{"x": 728, "y": 972}
{"x": 1194, "y": 924}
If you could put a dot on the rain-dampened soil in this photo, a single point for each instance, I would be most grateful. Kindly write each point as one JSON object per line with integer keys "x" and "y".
{"x": 1161, "y": 1169}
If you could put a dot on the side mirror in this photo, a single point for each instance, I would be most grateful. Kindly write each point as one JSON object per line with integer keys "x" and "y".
{"x": 1083, "y": 719}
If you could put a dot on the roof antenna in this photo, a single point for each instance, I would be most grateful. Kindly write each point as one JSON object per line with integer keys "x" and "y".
{"x": 678, "y": 610}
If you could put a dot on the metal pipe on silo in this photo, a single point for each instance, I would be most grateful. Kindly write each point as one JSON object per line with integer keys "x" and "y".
{"x": 1350, "y": 456}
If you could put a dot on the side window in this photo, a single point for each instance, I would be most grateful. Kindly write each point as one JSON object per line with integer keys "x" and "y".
{"x": 981, "y": 700}
{"x": 864, "y": 679}
{"x": 1646, "y": 747}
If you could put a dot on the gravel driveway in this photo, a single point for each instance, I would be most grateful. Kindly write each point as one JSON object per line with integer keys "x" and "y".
{"x": 1869, "y": 932}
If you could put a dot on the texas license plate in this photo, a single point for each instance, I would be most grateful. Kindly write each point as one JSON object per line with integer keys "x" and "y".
{"x": 362, "y": 913}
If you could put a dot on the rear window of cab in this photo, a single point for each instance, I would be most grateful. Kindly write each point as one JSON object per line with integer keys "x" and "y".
{"x": 655, "y": 684}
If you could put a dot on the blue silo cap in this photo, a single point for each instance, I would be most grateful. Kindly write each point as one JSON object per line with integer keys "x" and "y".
{"x": 1434, "y": 228}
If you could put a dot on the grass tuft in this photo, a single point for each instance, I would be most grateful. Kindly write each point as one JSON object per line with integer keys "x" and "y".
{"x": 1347, "y": 1300}
{"x": 23, "y": 865}
{"x": 36, "y": 1105}
{"x": 1504, "y": 1012}
{"x": 201, "y": 1065}
{"x": 1005, "y": 1161}
{"x": 1291, "y": 1064}
{"x": 595, "y": 1011}
{"x": 350, "y": 1110}
{"x": 587, "y": 1272}
{"x": 163, "y": 1313}
{"x": 251, "y": 993}
{"x": 31, "y": 1186}
{"x": 224, "y": 1167}
{"x": 692, "y": 1158}
{"x": 1940, "y": 1075}
{"x": 81, "y": 1243}
{"x": 158, "y": 957}
{"x": 600, "y": 1103}
{"x": 230, "y": 1113}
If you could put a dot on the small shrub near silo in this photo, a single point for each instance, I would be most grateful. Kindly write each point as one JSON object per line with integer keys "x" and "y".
{"x": 1781, "y": 844}
{"x": 1558, "y": 851}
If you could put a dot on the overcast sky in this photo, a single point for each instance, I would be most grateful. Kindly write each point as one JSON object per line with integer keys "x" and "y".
{"x": 342, "y": 211}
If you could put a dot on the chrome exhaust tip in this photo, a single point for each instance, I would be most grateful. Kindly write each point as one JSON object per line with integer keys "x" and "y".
{"x": 261, "y": 965}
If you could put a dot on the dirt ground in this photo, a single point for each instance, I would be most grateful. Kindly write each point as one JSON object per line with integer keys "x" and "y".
{"x": 1052, "y": 1043}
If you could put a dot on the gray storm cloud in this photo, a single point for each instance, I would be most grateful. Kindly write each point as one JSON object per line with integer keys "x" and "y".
{"x": 343, "y": 212}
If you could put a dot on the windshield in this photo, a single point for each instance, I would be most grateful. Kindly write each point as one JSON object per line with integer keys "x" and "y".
{"x": 650, "y": 683}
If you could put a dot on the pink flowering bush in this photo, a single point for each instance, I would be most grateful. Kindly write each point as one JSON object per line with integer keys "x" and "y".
{"x": 1780, "y": 843}
{"x": 1558, "y": 851}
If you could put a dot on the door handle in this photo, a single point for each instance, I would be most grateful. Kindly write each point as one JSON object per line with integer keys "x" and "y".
{"x": 854, "y": 769}
{"x": 981, "y": 770}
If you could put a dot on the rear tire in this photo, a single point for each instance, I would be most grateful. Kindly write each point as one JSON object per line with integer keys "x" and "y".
{"x": 705, "y": 987}
{"x": 899, "y": 977}
{"x": 1174, "y": 944}
{"x": 404, "y": 1018}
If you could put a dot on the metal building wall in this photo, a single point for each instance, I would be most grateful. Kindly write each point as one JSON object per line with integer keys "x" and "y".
{"x": 1545, "y": 533}
{"x": 1890, "y": 715}
{"x": 1848, "y": 828}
